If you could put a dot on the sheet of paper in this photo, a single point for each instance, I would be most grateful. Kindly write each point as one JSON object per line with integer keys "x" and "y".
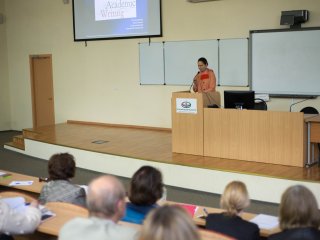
{"x": 14, "y": 202}
{"x": 4, "y": 174}
{"x": 265, "y": 221}
{"x": 21, "y": 183}
{"x": 17, "y": 203}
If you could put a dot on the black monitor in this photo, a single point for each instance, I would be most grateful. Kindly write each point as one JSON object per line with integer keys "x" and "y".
{"x": 239, "y": 99}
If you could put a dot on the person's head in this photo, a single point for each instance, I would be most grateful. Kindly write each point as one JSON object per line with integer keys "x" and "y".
{"x": 106, "y": 198}
{"x": 235, "y": 198}
{"x": 298, "y": 208}
{"x": 61, "y": 166}
{"x": 146, "y": 186}
{"x": 169, "y": 222}
{"x": 202, "y": 64}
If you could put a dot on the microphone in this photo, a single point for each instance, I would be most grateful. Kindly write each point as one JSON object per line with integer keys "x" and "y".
{"x": 297, "y": 103}
{"x": 193, "y": 81}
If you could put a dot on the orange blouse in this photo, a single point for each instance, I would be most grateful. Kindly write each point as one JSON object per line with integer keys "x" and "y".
{"x": 205, "y": 81}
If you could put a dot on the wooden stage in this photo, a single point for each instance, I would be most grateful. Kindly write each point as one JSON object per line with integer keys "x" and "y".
{"x": 153, "y": 146}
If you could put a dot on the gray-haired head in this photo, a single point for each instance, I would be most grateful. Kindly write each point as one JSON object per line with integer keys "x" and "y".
{"x": 106, "y": 197}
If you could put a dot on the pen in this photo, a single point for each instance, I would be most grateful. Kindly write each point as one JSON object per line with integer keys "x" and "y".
{"x": 205, "y": 211}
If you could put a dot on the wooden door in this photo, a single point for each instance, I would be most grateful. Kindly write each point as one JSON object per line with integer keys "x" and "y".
{"x": 42, "y": 90}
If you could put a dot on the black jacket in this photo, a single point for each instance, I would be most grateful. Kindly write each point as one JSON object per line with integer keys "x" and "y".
{"x": 297, "y": 234}
{"x": 233, "y": 226}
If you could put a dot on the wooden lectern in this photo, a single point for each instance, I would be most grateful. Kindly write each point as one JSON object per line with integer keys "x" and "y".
{"x": 187, "y": 124}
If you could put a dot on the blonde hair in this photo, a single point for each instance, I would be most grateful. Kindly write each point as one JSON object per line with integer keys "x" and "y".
{"x": 298, "y": 208}
{"x": 235, "y": 198}
{"x": 169, "y": 222}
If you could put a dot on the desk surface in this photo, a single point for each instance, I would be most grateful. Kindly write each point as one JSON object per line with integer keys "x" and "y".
{"x": 34, "y": 188}
{"x": 312, "y": 118}
{"x": 246, "y": 216}
{"x": 53, "y": 225}
{"x": 63, "y": 214}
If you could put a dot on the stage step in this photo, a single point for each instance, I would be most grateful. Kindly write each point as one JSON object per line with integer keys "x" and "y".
{"x": 29, "y": 133}
{"x": 17, "y": 142}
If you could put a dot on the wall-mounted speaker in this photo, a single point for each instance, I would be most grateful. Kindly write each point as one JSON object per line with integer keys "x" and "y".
{"x": 294, "y": 18}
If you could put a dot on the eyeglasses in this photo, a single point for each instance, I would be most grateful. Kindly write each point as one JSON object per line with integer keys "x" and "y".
{"x": 43, "y": 179}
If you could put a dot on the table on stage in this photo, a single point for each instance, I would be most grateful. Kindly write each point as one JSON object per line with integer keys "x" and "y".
{"x": 313, "y": 136}
{"x": 252, "y": 135}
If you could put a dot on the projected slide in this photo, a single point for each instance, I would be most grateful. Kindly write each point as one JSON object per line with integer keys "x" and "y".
{"x": 103, "y": 19}
{"x": 110, "y": 9}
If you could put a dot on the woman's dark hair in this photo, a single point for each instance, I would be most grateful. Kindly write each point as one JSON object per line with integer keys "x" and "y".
{"x": 146, "y": 186}
{"x": 202, "y": 59}
{"x": 61, "y": 166}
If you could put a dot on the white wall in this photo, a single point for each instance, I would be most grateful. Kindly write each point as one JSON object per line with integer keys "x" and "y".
{"x": 4, "y": 77}
{"x": 100, "y": 82}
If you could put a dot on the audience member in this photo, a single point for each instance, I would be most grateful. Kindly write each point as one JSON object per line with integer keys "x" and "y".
{"x": 61, "y": 168}
{"x": 169, "y": 222}
{"x": 146, "y": 188}
{"x": 106, "y": 205}
{"x": 18, "y": 222}
{"x": 234, "y": 200}
{"x": 299, "y": 215}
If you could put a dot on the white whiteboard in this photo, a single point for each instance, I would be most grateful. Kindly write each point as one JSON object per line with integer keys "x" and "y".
{"x": 151, "y": 63}
{"x": 181, "y": 60}
{"x": 286, "y": 62}
{"x": 233, "y": 62}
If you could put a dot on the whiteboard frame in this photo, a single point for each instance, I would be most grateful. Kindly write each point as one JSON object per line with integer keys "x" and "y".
{"x": 295, "y": 87}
